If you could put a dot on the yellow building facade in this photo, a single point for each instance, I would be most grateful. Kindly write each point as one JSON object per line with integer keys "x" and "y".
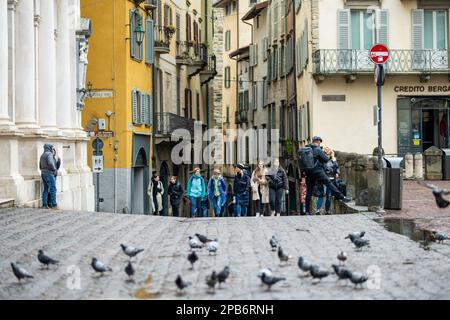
{"x": 119, "y": 106}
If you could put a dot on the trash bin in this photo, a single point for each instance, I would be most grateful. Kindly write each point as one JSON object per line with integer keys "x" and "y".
{"x": 393, "y": 183}
{"x": 446, "y": 164}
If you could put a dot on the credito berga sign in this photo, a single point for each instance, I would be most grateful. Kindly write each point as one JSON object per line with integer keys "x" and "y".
{"x": 422, "y": 89}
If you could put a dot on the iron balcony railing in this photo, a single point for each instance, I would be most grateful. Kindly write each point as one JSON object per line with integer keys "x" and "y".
{"x": 350, "y": 61}
{"x": 167, "y": 123}
{"x": 241, "y": 116}
{"x": 189, "y": 51}
{"x": 163, "y": 36}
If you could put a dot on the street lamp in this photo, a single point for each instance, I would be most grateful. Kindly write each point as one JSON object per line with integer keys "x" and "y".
{"x": 139, "y": 33}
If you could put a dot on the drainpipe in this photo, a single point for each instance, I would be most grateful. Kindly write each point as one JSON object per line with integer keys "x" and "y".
{"x": 208, "y": 124}
{"x": 114, "y": 104}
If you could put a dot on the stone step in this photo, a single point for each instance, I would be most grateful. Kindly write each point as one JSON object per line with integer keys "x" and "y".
{"x": 6, "y": 203}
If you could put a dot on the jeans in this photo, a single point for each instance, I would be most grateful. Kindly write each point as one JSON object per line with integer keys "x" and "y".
{"x": 275, "y": 198}
{"x": 240, "y": 211}
{"x": 176, "y": 210}
{"x": 49, "y": 182}
{"x": 216, "y": 203}
{"x": 312, "y": 178}
{"x": 327, "y": 193}
{"x": 196, "y": 206}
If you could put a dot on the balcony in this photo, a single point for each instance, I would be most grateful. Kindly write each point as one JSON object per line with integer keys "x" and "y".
{"x": 241, "y": 116}
{"x": 209, "y": 71}
{"x": 188, "y": 52}
{"x": 166, "y": 123}
{"x": 199, "y": 62}
{"x": 351, "y": 62}
{"x": 163, "y": 36}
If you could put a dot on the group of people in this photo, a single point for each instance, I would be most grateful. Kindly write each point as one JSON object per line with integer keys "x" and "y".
{"x": 266, "y": 187}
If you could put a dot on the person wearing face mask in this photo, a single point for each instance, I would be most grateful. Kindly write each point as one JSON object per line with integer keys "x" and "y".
{"x": 241, "y": 190}
{"x": 196, "y": 191}
{"x": 176, "y": 194}
{"x": 217, "y": 192}
{"x": 278, "y": 186}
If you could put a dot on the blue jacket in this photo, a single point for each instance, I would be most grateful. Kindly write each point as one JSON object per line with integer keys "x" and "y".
{"x": 222, "y": 189}
{"x": 241, "y": 188}
{"x": 203, "y": 187}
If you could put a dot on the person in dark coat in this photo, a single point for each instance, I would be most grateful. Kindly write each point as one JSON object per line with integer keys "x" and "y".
{"x": 241, "y": 188}
{"x": 175, "y": 193}
{"x": 47, "y": 165}
{"x": 318, "y": 175}
{"x": 58, "y": 165}
{"x": 278, "y": 186}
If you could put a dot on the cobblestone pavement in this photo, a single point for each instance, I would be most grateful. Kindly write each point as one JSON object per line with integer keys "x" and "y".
{"x": 419, "y": 204}
{"x": 405, "y": 270}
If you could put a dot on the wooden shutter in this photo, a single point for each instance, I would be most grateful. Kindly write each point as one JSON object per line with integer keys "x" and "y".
{"x": 150, "y": 110}
{"x": 344, "y": 29}
{"x": 142, "y": 107}
{"x": 132, "y": 37}
{"x": 417, "y": 40}
{"x": 134, "y": 106}
{"x": 383, "y": 27}
{"x": 150, "y": 41}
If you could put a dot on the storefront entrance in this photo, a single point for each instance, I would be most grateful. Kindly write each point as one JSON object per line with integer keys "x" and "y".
{"x": 423, "y": 122}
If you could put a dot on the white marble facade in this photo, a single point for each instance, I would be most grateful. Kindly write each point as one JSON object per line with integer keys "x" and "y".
{"x": 38, "y": 101}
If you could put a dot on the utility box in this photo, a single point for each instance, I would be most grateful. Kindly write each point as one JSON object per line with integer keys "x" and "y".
{"x": 393, "y": 183}
{"x": 446, "y": 164}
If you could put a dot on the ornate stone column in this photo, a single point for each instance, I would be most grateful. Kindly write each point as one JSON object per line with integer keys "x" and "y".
{"x": 5, "y": 119}
{"x": 47, "y": 68}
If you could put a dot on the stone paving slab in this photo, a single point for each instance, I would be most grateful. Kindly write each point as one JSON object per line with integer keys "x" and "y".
{"x": 405, "y": 270}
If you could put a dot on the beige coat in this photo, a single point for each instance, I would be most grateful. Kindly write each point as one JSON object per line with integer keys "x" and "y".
{"x": 158, "y": 196}
{"x": 264, "y": 186}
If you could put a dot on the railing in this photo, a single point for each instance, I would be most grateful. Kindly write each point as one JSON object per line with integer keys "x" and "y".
{"x": 241, "y": 116}
{"x": 167, "y": 123}
{"x": 163, "y": 36}
{"x": 191, "y": 52}
{"x": 349, "y": 61}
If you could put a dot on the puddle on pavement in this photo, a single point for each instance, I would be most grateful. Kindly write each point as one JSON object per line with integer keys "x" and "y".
{"x": 408, "y": 228}
{"x": 144, "y": 294}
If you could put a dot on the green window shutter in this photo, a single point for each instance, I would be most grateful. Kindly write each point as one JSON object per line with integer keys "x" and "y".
{"x": 150, "y": 110}
{"x": 344, "y": 29}
{"x": 149, "y": 41}
{"x": 134, "y": 106}
{"x": 383, "y": 27}
{"x": 132, "y": 37}
{"x": 143, "y": 108}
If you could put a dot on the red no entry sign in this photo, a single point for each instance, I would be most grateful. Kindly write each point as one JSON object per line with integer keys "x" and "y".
{"x": 379, "y": 54}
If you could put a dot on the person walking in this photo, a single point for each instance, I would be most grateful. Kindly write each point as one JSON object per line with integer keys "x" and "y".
{"x": 155, "y": 191}
{"x": 317, "y": 175}
{"x": 260, "y": 189}
{"x": 49, "y": 171}
{"x": 241, "y": 190}
{"x": 175, "y": 193}
{"x": 217, "y": 192}
{"x": 332, "y": 171}
{"x": 196, "y": 191}
{"x": 278, "y": 187}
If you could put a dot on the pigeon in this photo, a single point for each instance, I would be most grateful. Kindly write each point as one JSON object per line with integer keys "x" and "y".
{"x": 438, "y": 195}
{"x": 282, "y": 256}
{"x": 181, "y": 285}
{"x": 342, "y": 257}
{"x": 274, "y": 243}
{"x": 211, "y": 281}
{"x": 99, "y": 266}
{"x": 439, "y": 236}
{"x": 361, "y": 243}
{"x": 357, "y": 234}
{"x": 266, "y": 271}
{"x": 193, "y": 243}
{"x": 342, "y": 273}
{"x": 46, "y": 260}
{"x": 213, "y": 246}
{"x": 20, "y": 272}
{"x": 304, "y": 264}
{"x": 192, "y": 257}
{"x": 358, "y": 278}
{"x": 131, "y": 251}
{"x": 223, "y": 275}
{"x": 318, "y": 273}
{"x": 269, "y": 281}
{"x": 129, "y": 270}
{"x": 203, "y": 239}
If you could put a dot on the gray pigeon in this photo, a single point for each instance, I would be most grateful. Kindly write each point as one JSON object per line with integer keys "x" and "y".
{"x": 192, "y": 258}
{"x": 439, "y": 236}
{"x": 181, "y": 285}
{"x": 266, "y": 271}
{"x": 283, "y": 256}
{"x": 361, "y": 243}
{"x": 342, "y": 273}
{"x": 357, "y": 234}
{"x": 439, "y": 196}
{"x": 46, "y": 260}
{"x": 129, "y": 270}
{"x": 342, "y": 257}
{"x": 358, "y": 278}
{"x": 20, "y": 272}
{"x": 211, "y": 281}
{"x": 203, "y": 239}
{"x": 269, "y": 281}
{"x": 130, "y": 251}
{"x": 99, "y": 266}
{"x": 193, "y": 243}
{"x": 304, "y": 264}
{"x": 213, "y": 246}
{"x": 223, "y": 275}
{"x": 319, "y": 273}
{"x": 274, "y": 243}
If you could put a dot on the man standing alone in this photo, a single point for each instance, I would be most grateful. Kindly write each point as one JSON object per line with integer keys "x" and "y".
{"x": 49, "y": 171}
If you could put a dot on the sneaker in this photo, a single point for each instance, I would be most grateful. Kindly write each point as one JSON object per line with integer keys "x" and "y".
{"x": 278, "y": 214}
{"x": 258, "y": 215}
{"x": 318, "y": 213}
{"x": 346, "y": 200}
{"x": 56, "y": 208}
{"x": 328, "y": 213}
{"x": 272, "y": 214}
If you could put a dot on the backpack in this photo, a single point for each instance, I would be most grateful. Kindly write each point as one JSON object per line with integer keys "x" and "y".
{"x": 306, "y": 159}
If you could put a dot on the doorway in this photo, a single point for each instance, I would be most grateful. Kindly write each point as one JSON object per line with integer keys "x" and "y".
{"x": 139, "y": 197}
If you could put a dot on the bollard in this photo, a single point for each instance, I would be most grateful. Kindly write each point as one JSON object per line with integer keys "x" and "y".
{"x": 409, "y": 166}
{"x": 418, "y": 166}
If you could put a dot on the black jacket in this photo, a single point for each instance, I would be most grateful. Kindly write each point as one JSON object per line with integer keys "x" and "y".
{"x": 320, "y": 157}
{"x": 278, "y": 180}
{"x": 176, "y": 193}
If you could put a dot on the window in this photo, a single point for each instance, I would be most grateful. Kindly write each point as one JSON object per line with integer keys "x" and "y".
{"x": 227, "y": 79}
{"x": 227, "y": 40}
{"x": 255, "y": 96}
{"x": 362, "y": 29}
{"x": 149, "y": 41}
{"x": 435, "y": 29}
{"x": 188, "y": 28}
{"x": 142, "y": 108}
{"x": 136, "y": 48}
{"x": 275, "y": 20}
{"x": 227, "y": 9}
